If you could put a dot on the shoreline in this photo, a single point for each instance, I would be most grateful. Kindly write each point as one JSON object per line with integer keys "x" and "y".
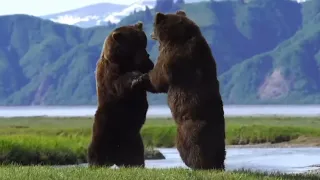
{"x": 313, "y": 172}
{"x": 163, "y": 111}
{"x": 300, "y": 142}
{"x": 269, "y": 145}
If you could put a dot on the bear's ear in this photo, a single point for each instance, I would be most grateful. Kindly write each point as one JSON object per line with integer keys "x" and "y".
{"x": 181, "y": 13}
{"x": 139, "y": 25}
{"x": 159, "y": 17}
{"x": 117, "y": 36}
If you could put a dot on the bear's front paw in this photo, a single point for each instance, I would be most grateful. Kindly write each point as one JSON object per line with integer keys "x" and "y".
{"x": 139, "y": 82}
{"x": 135, "y": 74}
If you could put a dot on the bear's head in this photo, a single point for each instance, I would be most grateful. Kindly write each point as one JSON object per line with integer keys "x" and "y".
{"x": 126, "y": 47}
{"x": 176, "y": 28}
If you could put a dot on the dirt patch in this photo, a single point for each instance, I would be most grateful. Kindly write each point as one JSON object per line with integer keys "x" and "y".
{"x": 274, "y": 86}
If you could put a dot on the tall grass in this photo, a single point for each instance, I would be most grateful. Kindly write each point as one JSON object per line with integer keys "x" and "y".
{"x": 162, "y": 132}
{"x": 164, "y": 135}
{"x": 49, "y": 150}
{"x": 41, "y": 140}
{"x": 31, "y": 149}
{"x": 86, "y": 122}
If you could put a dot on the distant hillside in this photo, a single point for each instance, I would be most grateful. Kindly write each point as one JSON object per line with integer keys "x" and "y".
{"x": 267, "y": 51}
{"x": 42, "y": 62}
{"x": 289, "y": 73}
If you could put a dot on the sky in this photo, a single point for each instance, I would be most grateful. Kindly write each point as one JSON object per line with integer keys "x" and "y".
{"x": 45, "y": 7}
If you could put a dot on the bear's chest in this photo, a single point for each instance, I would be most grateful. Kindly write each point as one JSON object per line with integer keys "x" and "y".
{"x": 137, "y": 101}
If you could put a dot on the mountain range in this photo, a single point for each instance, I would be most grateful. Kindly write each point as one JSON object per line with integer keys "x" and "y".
{"x": 92, "y": 15}
{"x": 105, "y": 13}
{"x": 99, "y": 14}
{"x": 267, "y": 51}
{"x": 102, "y": 13}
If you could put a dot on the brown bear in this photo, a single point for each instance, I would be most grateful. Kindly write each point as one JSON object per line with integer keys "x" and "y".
{"x": 121, "y": 110}
{"x": 186, "y": 71}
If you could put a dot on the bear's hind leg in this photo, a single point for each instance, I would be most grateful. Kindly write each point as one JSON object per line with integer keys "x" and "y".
{"x": 131, "y": 153}
{"x": 101, "y": 148}
{"x": 99, "y": 156}
{"x": 213, "y": 150}
{"x": 219, "y": 157}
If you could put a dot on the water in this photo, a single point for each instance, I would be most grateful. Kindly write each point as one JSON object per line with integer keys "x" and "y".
{"x": 163, "y": 111}
{"x": 288, "y": 160}
{"x": 285, "y": 160}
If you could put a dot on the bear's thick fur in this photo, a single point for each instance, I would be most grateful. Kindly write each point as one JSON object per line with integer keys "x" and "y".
{"x": 122, "y": 109}
{"x": 186, "y": 70}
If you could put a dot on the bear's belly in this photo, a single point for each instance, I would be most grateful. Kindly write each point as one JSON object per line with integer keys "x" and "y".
{"x": 134, "y": 107}
{"x": 129, "y": 115}
{"x": 182, "y": 104}
{"x": 194, "y": 105}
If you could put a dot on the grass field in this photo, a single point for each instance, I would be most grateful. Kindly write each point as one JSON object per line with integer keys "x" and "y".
{"x": 83, "y": 173}
{"x": 162, "y": 132}
{"x": 44, "y": 140}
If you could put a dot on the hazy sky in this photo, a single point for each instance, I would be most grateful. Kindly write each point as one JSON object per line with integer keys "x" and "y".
{"x": 44, "y": 7}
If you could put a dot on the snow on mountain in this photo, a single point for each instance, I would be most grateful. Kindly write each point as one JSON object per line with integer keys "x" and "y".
{"x": 137, "y": 6}
{"x": 98, "y": 14}
{"x": 86, "y": 16}
{"x": 102, "y": 13}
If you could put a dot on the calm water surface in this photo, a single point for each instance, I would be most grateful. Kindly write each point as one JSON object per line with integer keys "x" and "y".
{"x": 163, "y": 111}
{"x": 285, "y": 160}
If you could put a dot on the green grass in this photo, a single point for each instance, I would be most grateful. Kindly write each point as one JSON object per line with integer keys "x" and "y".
{"x": 43, "y": 140}
{"x": 83, "y": 173}
{"x": 86, "y": 122}
{"x": 162, "y": 132}
{"x": 31, "y": 149}
{"x": 49, "y": 150}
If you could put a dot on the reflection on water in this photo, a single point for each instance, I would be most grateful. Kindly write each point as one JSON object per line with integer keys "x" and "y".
{"x": 285, "y": 160}
{"x": 162, "y": 111}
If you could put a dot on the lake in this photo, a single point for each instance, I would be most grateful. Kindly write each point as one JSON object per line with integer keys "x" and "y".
{"x": 163, "y": 111}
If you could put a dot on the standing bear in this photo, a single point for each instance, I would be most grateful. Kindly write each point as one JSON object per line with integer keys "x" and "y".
{"x": 121, "y": 110}
{"x": 186, "y": 71}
